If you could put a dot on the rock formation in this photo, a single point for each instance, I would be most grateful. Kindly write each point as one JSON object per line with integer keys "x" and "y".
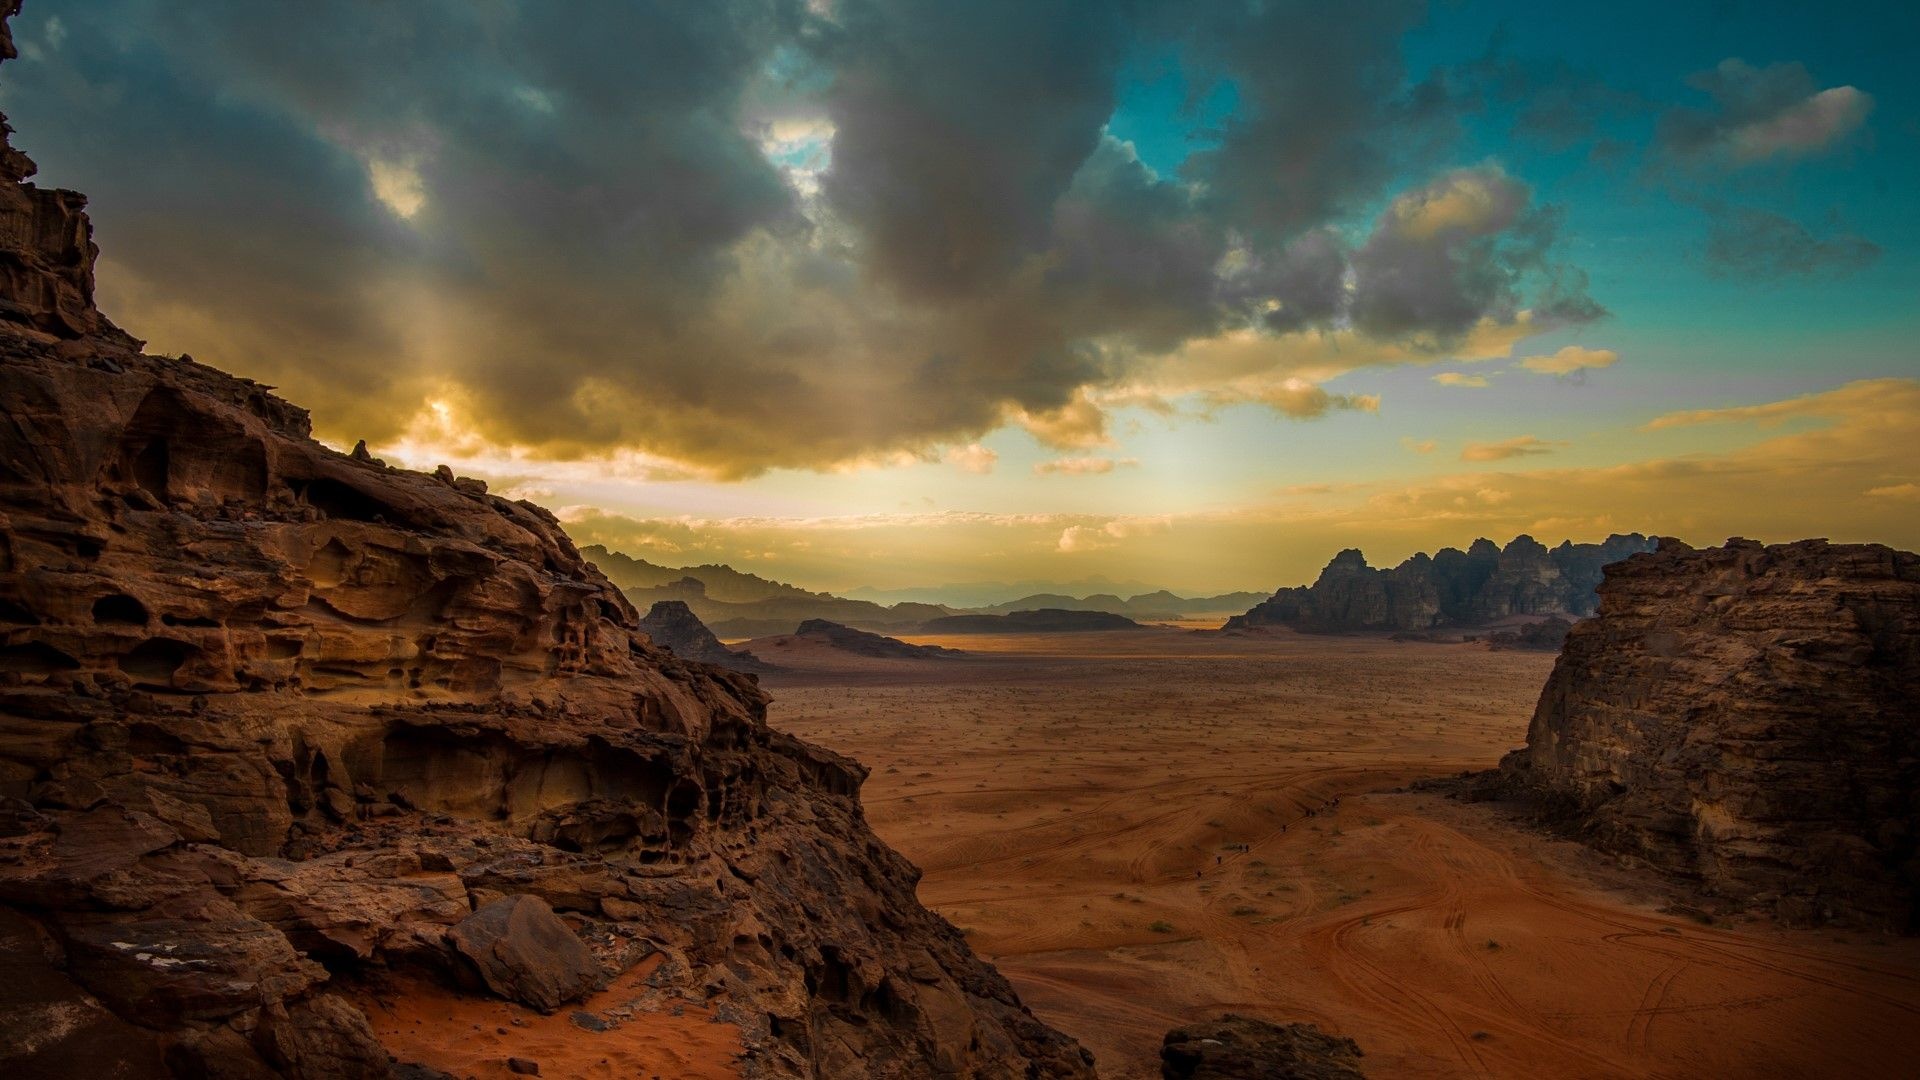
{"x": 862, "y": 643}
{"x": 1242, "y": 1048}
{"x": 276, "y": 721}
{"x": 1044, "y": 621}
{"x": 1546, "y": 635}
{"x": 1747, "y": 716}
{"x": 673, "y": 626}
{"x": 1452, "y": 588}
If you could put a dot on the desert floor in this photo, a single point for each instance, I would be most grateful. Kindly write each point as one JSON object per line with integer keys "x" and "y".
{"x": 1141, "y": 829}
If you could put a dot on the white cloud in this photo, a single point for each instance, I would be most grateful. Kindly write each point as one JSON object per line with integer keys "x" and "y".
{"x": 1461, "y": 379}
{"x": 398, "y": 186}
{"x": 1804, "y": 129}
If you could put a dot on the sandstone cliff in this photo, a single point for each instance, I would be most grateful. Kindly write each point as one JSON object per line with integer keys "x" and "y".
{"x": 275, "y": 721}
{"x": 1483, "y": 584}
{"x": 1748, "y": 716}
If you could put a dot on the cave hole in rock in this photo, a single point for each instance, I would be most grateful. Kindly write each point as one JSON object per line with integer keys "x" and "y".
{"x": 119, "y": 609}
{"x": 172, "y": 449}
{"x": 491, "y": 777}
{"x": 14, "y": 613}
{"x": 201, "y": 621}
{"x": 155, "y": 660}
{"x": 343, "y": 501}
{"x": 35, "y": 658}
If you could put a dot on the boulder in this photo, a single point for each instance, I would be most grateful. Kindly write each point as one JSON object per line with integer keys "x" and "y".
{"x": 1243, "y": 1048}
{"x": 523, "y": 952}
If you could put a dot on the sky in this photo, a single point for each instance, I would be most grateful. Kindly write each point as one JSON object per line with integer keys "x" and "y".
{"x": 894, "y": 293}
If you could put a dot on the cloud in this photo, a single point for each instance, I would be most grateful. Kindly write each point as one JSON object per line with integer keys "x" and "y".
{"x": 1418, "y": 446}
{"x": 1083, "y": 538}
{"x": 972, "y": 458}
{"x": 1454, "y": 252}
{"x": 1461, "y": 379}
{"x": 754, "y": 234}
{"x": 1082, "y": 466}
{"x": 1878, "y": 400}
{"x": 1520, "y": 446}
{"x": 1762, "y": 114}
{"x": 1747, "y": 244}
{"x": 1570, "y": 359}
{"x": 1783, "y": 485}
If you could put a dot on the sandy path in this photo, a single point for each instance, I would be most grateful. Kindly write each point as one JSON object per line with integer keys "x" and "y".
{"x": 1121, "y": 822}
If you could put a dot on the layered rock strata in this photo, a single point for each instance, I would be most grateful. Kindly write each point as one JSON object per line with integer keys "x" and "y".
{"x": 1747, "y": 716}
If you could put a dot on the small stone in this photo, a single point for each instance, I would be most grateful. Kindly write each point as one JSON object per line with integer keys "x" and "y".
{"x": 523, "y": 1066}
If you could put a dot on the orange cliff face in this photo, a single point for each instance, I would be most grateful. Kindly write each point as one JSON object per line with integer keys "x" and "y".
{"x": 281, "y": 729}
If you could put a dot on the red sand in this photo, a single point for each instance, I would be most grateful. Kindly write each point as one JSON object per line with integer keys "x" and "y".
{"x": 1078, "y": 803}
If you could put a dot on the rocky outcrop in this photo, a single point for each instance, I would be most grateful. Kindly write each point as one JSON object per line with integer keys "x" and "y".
{"x": 1044, "y": 621}
{"x": 1481, "y": 585}
{"x": 1546, "y": 635}
{"x": 1749, "y": 717}
{"x": 1243, "y": 1048}
{"x": 276, "y": 721}
{"x": 862, "y": 643}
{"x": 672, "y": 625}
{"x": 523, "y": 952}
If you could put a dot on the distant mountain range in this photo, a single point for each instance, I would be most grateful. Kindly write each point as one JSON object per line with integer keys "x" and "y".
{"x": 979, "y": 595}
{"x": 735, "y": 605}
{"x": 1153, "y": 605}
{"x": 1483, "y": 584}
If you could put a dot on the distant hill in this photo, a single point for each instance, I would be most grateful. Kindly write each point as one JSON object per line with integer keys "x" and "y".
{"x": 674, "y": 627}
{"x": 1153, "y": 605}
{"x": 1044, "y": 621}
{"x": 1481, "y": 585}
{"x": 722, "y": 582}
{"x": 734, "y": 604}
{"x": 977, "y": 595}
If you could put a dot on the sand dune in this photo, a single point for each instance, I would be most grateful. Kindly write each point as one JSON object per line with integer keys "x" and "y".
{"x": 1139, "y": 830}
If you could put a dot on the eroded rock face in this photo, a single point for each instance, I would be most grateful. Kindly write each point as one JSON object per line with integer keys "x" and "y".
{"x": 1483, "y": 584}
{"x": 1243, "y": 1048}
{"x": 672, "y": 625}
{"x": 1748, "y": 716}
{"x": 275, "y": 719}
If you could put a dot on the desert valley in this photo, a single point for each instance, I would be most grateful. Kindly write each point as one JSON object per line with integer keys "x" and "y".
{"x": 325, "y": 763}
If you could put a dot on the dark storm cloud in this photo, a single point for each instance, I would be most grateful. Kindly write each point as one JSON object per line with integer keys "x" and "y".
{"x": 1749, "y": 244}
{"x": 1449, "y": 254}
{"x": 608, "y": 225}
{"x": 959, "y": 126}
{"x": 1324, "y": 119}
